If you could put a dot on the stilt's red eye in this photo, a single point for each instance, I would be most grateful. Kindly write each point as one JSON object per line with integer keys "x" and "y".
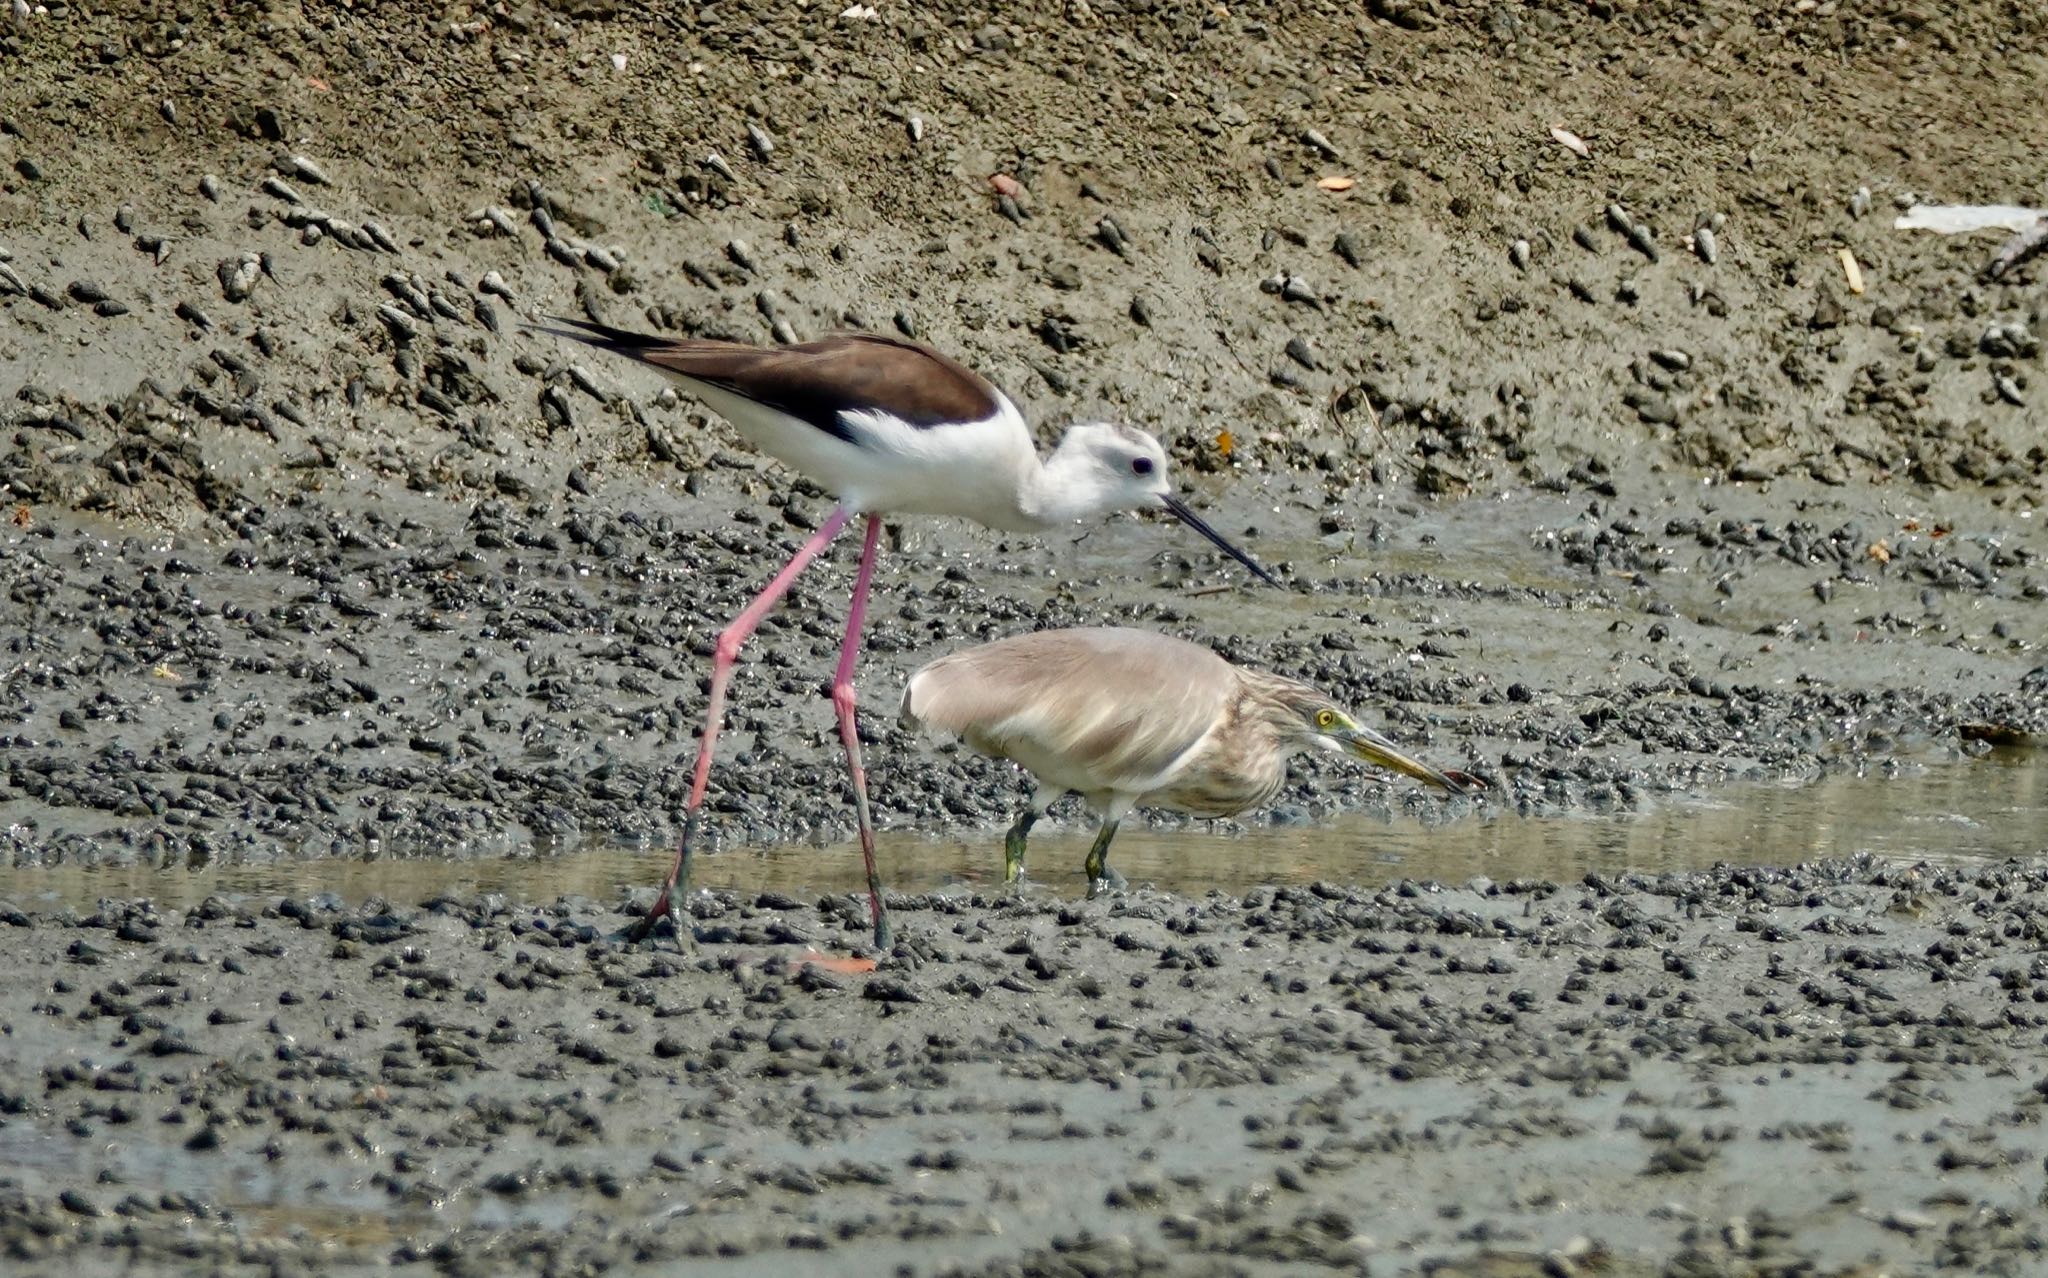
{"x": 1141, "y": 465}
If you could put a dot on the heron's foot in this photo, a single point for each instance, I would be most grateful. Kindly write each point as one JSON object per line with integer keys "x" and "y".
{"x": 1105, "y": 879}
{"x": 1014, "y": 845}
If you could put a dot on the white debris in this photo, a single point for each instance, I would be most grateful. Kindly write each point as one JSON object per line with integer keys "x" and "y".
{"x": 1571, "y": 141}
{"x": 1961, "y": 219}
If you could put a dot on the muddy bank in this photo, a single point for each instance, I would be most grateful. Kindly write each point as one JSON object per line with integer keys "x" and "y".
{"x": 1749, "y": 1071}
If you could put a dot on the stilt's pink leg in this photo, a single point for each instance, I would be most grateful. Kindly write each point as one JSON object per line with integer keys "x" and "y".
{"x": 843, "y": 700}
{"x": 728, "y": 651}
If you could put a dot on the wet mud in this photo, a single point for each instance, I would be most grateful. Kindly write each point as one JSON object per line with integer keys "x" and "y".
{"x": 1564, "y": 361}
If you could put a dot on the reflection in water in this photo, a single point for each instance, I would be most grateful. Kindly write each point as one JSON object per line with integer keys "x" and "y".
{"x": 1987, "y": 809}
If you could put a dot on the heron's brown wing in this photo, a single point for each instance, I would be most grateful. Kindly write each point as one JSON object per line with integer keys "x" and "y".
{"x": 1113, "y": 707}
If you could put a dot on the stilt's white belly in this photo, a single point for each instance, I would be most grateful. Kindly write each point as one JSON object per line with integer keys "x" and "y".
{"x": 973, "y": 470}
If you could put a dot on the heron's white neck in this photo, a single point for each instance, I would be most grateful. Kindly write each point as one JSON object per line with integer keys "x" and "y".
{"x": 1065, "y": 487}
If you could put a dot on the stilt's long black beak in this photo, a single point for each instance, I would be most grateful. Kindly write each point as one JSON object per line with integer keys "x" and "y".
{"x": 1194, "y": 521}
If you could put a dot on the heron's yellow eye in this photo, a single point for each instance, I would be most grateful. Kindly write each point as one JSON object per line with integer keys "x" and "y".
{"x": 1326, "y": 719}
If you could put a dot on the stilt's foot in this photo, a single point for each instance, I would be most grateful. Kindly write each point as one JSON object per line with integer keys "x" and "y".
{"x": 664, "y": 907}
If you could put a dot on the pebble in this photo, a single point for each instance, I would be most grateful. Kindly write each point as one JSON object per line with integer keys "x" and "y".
{"x": 498, "y": 219}
{"x": 278, "y": 187}
{"x": 301, "y": 167}
{"x": 915, "y": 126}
{"x": 1346, "y": 247}
{"x": 716, "y": 163}
{"x": 2008, "y": 390}
{"x": 741, "y": 254}
{"x": 209, "y": 186}
{"x": 757, "y": 137}
{"x": 1705, "y": 246}
{"x": 1112, "y": 236}
{"x": 1518, "y": 253}
{"x": 238, "y": 276}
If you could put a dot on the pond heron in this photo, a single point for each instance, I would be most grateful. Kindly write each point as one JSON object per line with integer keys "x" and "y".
{"x": 1131, "y": 718}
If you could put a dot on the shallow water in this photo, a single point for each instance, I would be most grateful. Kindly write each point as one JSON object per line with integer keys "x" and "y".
{"x": 1989, "y": 808}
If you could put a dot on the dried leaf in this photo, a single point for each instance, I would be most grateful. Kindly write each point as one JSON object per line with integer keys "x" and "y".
{"x": 1224, "y": 442}
{"x": 842, "y": 963}
{"x": 1336, "y": 183}
{"x": 1879, "y": 551}
{"x": 1852, "y": 272}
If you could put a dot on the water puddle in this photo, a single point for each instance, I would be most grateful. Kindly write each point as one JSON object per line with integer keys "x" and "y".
{"x": 1987, "y": 809}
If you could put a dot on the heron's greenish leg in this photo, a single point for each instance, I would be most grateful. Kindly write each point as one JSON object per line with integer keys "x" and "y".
{"x": 1097, "y": 864}
{"x": 1013, "y": 844}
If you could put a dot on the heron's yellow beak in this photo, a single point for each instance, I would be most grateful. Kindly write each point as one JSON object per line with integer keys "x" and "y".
{"x": 1370, "y": 746}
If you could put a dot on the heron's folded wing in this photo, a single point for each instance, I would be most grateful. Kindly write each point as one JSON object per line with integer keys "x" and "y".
{"x": 1118, "y": 705}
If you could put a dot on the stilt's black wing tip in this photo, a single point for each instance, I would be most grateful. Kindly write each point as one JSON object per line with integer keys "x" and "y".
{"x": 590, "y": 333}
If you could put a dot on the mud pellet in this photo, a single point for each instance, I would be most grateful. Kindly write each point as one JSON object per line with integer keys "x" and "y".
{"x": 281, "y": 189}
{"x": 400, "y": 324}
